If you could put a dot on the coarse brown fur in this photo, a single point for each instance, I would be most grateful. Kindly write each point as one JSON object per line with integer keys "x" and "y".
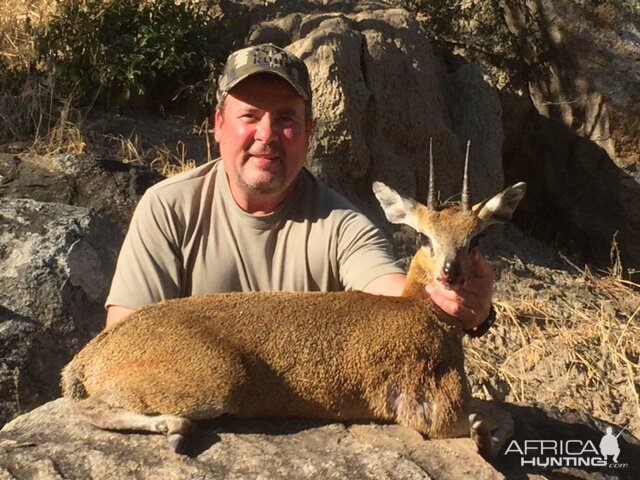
{"x": 336, "y": 356}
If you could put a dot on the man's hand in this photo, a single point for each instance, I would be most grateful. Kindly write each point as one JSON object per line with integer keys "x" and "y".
{"x": 470, "y": 303}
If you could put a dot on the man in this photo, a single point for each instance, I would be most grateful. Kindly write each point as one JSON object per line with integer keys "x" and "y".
{"x": 256, "y": 219}
{"x": 609, "y": 445}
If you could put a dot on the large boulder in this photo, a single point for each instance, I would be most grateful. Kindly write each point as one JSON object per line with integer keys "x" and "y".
{"x": 56, "y": 263}
{"x": 106, "y": 186}
{"x": 62, "y": 221}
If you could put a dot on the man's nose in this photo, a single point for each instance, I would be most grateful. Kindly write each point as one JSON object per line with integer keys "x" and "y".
{"x": 265, "y": 129}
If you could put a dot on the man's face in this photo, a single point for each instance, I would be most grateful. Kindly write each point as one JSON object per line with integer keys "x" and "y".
{"x": 263, "y": 134}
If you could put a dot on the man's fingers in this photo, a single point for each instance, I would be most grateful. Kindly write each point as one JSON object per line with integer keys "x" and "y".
{"x": 453, "y": 305}
{"x": 469, "y": 308}
{"x": 482, "y": 268}
{"x": 467, "y": 297}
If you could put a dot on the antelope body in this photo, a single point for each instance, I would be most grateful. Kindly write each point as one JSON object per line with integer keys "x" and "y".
{"x": 333, "y": 356}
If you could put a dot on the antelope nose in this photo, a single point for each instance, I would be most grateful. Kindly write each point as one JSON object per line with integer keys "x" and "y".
{"x": 451, "y": 271}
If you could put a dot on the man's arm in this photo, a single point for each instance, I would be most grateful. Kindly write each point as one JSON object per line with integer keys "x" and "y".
{"x": 390, "y": 284}
{"x": 115, "y": 313}
{"x": 470, "y": 304}
{"x": 148, "y": 268}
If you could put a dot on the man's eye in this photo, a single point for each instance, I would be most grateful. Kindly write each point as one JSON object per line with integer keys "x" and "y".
{"x": 286, "y": 120}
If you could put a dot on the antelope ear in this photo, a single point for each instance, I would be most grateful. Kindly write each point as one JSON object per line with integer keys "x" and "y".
{"x": 499, "y": 209}
{"x": 398, "y": 209}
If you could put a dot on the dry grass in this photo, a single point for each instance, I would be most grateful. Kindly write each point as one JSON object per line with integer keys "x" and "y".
{"x": 18, "y": 19}
{"x": 24, "y": 107}
{"x": 170, "y": 164}
{"x": 160, "y": 158}
{"x": 579, "y": 351}
{"x": 29, "y": 107}
{"x": 64, "y": 137}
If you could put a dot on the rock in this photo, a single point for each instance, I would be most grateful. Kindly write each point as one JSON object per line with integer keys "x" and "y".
{"x": 259, "y": 449}
{"x": 108, "y": 187}
{"x": 52, "y": 442}
{"x": 575, "y": 137}
{"x": 56, "y": 263}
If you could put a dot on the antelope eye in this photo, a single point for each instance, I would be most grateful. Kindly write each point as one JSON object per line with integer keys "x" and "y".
{"x": 424, "y": 240}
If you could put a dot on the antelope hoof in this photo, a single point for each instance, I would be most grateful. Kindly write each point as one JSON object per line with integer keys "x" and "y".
{"x": 176, "y": 441}
{"x": 175, "y": 428}
{"x": 490, "y": 439}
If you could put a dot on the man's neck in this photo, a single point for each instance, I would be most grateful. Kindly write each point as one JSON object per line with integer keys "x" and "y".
{"x": 258, "y": 204}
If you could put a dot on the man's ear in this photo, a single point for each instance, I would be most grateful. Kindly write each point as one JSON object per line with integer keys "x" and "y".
{"x": 218, "y": 120}
{"x": 499, "y": 208}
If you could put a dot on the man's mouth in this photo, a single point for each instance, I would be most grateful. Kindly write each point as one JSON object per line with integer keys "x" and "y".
{"x": 263, "y": 158}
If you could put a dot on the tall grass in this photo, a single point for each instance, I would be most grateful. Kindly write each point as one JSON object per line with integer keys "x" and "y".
{"x": 18, "y": 20}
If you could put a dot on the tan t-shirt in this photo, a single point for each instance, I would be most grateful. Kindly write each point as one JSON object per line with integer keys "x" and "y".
{"x": 189, "y": 237}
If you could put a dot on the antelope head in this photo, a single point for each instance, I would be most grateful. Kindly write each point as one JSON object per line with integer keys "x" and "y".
{"x": 448, "y": 233}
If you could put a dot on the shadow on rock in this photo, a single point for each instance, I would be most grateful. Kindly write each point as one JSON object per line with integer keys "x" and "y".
{"x": 543, "y": 436}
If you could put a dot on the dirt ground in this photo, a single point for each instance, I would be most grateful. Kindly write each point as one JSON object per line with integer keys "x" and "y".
{"x": 566, "y": 338}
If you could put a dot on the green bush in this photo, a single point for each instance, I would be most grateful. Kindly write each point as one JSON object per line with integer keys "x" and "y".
{"x": 120, "y": 52}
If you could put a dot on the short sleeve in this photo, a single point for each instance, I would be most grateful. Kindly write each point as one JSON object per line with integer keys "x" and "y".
{"x": 364, "y": 252}
{"x": 149, "y": 267}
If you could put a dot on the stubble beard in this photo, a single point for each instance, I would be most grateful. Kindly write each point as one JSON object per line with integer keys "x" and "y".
{"x": 274, "y": 182}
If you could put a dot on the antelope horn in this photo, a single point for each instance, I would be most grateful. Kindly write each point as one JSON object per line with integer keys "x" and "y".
{"x": 431, "y": 197}
{"x": 465, "y": 199}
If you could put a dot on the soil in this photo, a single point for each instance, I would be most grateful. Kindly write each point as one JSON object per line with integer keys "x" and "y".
{"x": 566, "y": 339}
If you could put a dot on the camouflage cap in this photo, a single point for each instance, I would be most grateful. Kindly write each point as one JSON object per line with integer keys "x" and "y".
{"x": 265, "y": 58}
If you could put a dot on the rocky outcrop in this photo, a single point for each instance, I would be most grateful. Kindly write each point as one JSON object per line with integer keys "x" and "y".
{"x": 51, "y": 442}
{"x": 575, "y": 139}
{"x": 62, "y": 221}
{"x": 56, "y": 263}
{"x": 108, "y": 187}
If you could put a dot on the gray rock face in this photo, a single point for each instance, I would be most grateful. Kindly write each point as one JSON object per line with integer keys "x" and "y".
{"x": 108, "y": 187}
{"x": 52, "y": 443}
{"x": 56, "y": 263}
{"x": 81, "y": 452}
